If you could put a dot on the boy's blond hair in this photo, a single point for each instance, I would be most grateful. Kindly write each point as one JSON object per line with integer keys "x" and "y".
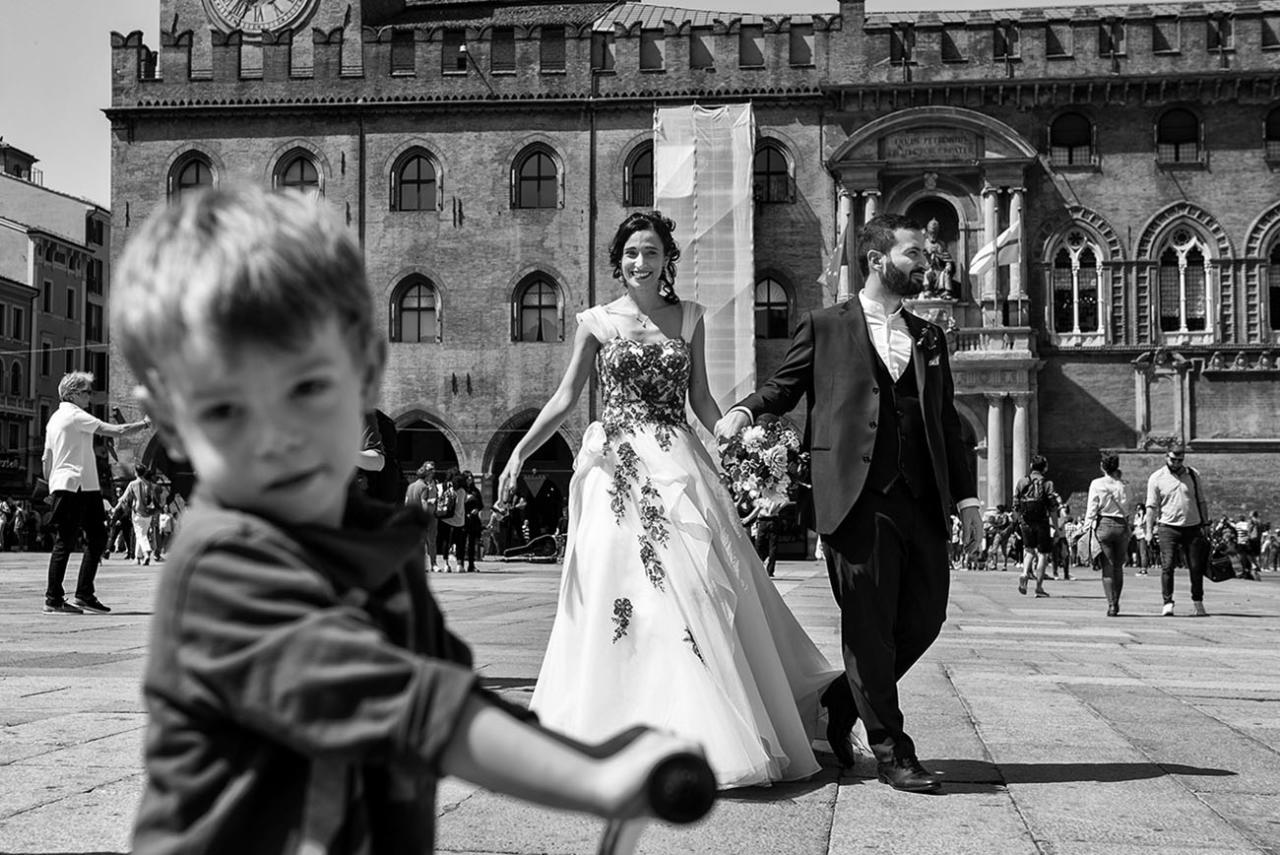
{"x": 238, "y": 265}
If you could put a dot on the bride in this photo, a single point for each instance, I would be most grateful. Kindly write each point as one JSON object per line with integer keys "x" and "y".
{"x": 666, "y": 616}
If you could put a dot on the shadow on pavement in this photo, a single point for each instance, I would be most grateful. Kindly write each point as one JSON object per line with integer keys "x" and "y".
{"x": 974, "y": 772}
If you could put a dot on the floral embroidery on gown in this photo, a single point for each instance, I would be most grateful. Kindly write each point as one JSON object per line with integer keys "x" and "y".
{"x": 666, "y": 616}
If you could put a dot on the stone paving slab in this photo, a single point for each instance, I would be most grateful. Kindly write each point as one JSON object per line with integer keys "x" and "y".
{"x": 1057, "y": 730}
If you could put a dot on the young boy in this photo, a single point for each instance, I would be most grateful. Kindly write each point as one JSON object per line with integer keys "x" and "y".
{"x": 304, "y": 693}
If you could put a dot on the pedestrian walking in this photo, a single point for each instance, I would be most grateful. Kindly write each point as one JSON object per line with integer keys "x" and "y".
{"x": 1107, "y": 514}
{"x": 1178, "y": 516}
{"x": 141, "y": 502}
{"x": 71, "y": 470}
{"x": 1034, "y": 501}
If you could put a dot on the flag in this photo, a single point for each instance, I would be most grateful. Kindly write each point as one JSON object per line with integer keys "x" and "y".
{"x": 831, "y": 273}
{"x": 1005, "y": 249}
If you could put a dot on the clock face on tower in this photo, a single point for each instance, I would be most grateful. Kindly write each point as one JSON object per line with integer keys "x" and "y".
{"x": 257, "y": 16}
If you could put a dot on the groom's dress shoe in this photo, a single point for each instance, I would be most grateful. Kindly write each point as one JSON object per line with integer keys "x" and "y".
{"x": 906, "y": 773}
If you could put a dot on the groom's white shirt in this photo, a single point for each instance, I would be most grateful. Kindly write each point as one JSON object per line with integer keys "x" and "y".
{"x": 889, "y": 335}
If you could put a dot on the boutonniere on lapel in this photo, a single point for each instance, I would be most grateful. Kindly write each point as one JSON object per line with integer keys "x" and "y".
{"x": 930, "y": 345}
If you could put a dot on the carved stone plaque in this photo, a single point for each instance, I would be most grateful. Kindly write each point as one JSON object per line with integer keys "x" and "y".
{"x": 922, "y": 145}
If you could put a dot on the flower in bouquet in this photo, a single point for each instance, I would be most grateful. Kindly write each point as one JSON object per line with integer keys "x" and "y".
{"x": 765, "y": 463}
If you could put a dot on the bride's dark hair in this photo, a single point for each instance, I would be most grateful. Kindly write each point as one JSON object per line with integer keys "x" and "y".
{"x": 649, "y": 221}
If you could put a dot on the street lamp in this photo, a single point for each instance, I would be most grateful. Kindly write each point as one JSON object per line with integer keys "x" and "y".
{"x": 465, "y": 57}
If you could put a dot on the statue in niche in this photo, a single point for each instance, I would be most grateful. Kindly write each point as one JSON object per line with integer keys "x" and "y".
{"x": 1266, "y": 362}
{"x": 1241, "y": 363}
{"x": 1217, "y": 362}
{"x": 939, "y": 279}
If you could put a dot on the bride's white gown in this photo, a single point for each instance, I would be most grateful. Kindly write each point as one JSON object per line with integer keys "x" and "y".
{"x": 666, "y": 616}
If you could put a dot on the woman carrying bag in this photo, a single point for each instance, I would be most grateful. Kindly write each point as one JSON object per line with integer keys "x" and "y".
{"x": 1109, "y": 509}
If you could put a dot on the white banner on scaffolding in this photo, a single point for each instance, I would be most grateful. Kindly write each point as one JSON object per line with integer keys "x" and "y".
{"x": 702, "y": 164}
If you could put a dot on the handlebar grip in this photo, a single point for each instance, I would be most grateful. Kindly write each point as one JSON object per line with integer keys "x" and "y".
{"x": 682, "y": 788}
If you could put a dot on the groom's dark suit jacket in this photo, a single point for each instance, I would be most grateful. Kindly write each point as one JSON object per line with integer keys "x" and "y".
{"x": 831, "y": 363}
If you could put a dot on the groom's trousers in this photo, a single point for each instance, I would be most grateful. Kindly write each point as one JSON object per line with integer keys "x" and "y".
{"x": 888, "y": 563}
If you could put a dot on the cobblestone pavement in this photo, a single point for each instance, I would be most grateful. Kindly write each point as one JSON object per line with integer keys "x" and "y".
{"x": 1059, "y": 730}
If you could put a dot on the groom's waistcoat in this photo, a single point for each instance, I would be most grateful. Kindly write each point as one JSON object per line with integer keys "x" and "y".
{"x": 901, "y": 452}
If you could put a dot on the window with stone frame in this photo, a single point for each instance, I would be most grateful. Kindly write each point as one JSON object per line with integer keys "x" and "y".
{"x": 1111, "y": 38}
{"x": 190, "y": 173}
{"x": 603, "y": 51}
{"x": 1178, "y": 134}
{"x": 771, "y": 174}
{"x": 772, "y": 309}
{"x": 801, "y": 45}
{"x": 537, "y": 315}
{"x": 1271, "y": 135}
{"x": 1271, "y": 31}
{"x": 551, "y": 49}
{"x": 535, "y": 179}
{"x": 1006, "y": 42}
{"x": 1071, "y": 140}
{"x": 1185, "y": 272}
{"x": 702, "y": 53}
{"x": 1220, "y": 33}
{"x": 653, "y": 50}
{"x": 453, "y": 51}
{"x": 403, "y": 52}
{"x": 751, "y": 46}
{"x": 1057, "y": 39}
{"x": 298, "y": 171}
{"x": 1166, "y": 34}
{"x": 955, "y": 44}
{"x": 902, "y": 44}
{"x": 15, "y": 379}
{"x": 415, "y": 311}
{"x": 638, "y": 177}
{"x": 502, "y": 50}
{"x": 1076, "y": 273}
{"x": 414, "y": 182}
{"x": 1273, "y": 288}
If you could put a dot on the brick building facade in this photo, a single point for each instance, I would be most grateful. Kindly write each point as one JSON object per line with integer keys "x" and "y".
{"x": 484, "y": 153}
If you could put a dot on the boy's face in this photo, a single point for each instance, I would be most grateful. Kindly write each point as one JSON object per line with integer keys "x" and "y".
{"x": 270, "y": 431}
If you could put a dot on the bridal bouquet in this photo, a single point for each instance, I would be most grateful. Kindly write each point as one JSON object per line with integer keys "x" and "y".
{"x": 765, "y": 463}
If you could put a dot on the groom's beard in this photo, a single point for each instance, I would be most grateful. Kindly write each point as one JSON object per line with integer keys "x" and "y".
{"x": 902, "y": 284}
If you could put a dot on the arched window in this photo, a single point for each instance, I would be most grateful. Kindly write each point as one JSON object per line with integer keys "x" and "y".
{"x": 773, "y": 309}
{"x": 1184, "y": 274}
{"x": 15, "y": 379}
{"x": 414, "y": 184}
{"x": 1271, "y": 134}
{"x": 1273, "y": 286}
{"x": 1076, "y": 272}
{"x": 771, "y": 176}
{"x": 638, "y": 177}
{"x": 1071, "y": 140}
{"x": 189, "y": 174}
{"x": 535, "y": 180}
{"x": 537, "y": 311}
{"x": 415, "y": 312}
{"x": 1178, "y": 137}
{"x": 298, "y": 172}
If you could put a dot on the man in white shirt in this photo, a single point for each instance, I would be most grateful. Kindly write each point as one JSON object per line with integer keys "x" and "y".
{"x": 71, "y": 470}
{"x": 1179, "y": 516}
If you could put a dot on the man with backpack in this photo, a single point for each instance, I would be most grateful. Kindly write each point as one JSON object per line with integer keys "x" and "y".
{"x": 1034, "y": 500}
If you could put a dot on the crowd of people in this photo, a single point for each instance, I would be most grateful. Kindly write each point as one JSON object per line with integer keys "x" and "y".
{"x": 1166, "y": 526}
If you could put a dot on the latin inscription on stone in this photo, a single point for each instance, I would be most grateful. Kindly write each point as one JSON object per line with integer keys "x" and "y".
{"x": 930, "y": 145}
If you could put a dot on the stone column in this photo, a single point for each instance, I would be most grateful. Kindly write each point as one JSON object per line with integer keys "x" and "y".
{"x": 995, "y": 449}
{"x": 1018, "y": 314}
{"x": 991, "y": 230}
{"x": 1021, "y": 433}
{"x": 871, "y": 204}
{"x": 845, "y": 222}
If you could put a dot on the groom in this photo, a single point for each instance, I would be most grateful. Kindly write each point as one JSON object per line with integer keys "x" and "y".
{"x": 888, "y": 465}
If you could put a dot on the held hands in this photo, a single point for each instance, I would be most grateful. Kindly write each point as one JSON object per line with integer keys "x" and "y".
{"x": 730, "y": 424}
{"x": 971, "y": 529}
{"x": 509, "y": 478}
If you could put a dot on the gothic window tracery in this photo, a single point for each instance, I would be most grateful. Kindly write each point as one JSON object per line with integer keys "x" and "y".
{"x": 1077, "y": 270}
